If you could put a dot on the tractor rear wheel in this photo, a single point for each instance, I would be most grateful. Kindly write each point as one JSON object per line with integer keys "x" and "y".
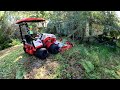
{"x": 41, "y": 53}
{"x": 53, "y": 49}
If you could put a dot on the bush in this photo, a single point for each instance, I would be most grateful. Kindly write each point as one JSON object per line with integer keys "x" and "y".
{"x": 7, "y": 42}
{"x": 5, "y": 45}
{"x": 4, "y": 42}
{"x": 118, "y": 42}
{"x": 88, "y": 66}
{"x": 15, "y": 42}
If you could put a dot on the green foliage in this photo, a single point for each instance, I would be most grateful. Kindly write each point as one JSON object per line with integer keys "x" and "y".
{"x": 114, "y": 33}
{"x": 8, "y": 66}
{"x": 91, "y": 62}
{"x": 118, "y": 42}
{"x": 20, "y": 73}
{"x": 7, "y": 42}
{"x": 15, "y": 42}
{"x": 4, "y": 42}
{"x": 88, "y": 66}
{"x": 64, "y": 22}
{"x": 96, "y": 61}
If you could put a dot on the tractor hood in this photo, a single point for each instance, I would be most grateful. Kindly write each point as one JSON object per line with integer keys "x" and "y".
{"x": 30, "y": 20}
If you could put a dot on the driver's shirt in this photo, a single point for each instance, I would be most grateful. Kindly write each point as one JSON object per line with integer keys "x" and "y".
{"x": 30, "y": 32}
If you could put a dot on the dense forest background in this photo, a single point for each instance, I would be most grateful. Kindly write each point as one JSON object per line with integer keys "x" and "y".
{"x": 77, "y": 25}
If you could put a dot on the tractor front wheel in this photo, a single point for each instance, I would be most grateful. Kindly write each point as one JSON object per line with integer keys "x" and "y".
{"x": 53, "y": 49}
{"x": 41, "y": 53}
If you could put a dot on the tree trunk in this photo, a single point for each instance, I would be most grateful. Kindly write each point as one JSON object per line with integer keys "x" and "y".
{"x": 82, "y": 35}
{"x": 90, "y": 29}
{"x": 87, "y": 29}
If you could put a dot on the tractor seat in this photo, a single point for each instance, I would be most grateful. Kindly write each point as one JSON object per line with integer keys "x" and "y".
{"x": 28, "y": 39}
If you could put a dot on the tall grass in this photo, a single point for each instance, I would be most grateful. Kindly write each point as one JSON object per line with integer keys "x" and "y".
{"x": 96, "y": 61}
{"x": 10, "y": 67}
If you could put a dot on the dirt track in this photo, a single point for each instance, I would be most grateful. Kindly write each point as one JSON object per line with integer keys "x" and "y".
{"x": 35, "y": 68}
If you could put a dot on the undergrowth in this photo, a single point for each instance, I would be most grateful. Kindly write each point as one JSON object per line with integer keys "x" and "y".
{"x": 95, "y": 61}
{"x": 80, "y": 62}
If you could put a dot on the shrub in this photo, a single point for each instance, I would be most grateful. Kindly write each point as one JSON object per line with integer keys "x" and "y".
{"x": 15, "y": 42}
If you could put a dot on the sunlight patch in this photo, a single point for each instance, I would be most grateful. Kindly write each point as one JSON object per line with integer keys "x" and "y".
{"x": 118, "y": 72}
{"x": 18, "y": 58}
{"x": 7, "y": 53}
{"x": 47, "y": 71}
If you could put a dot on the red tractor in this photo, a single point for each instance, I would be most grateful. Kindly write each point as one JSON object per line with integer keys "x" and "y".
{"x": 42, "y": 43}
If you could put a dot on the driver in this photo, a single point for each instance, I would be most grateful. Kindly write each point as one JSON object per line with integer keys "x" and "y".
{"x": 36, "y": 41}
{"x": 30, "y": 30}
{"x": 33, "y": 35}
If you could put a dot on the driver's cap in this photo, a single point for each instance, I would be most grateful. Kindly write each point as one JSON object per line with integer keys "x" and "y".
{"x": 30, "y": 26}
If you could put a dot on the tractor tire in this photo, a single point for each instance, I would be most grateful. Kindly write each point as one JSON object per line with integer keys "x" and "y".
{"x": 53, "y": 49}
{"x": 41, "y": 53}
